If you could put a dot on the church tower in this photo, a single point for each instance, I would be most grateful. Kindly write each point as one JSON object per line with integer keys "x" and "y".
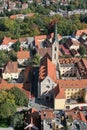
{"x": 55, "y": 46}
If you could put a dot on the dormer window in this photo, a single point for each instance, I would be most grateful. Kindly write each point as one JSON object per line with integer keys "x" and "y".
{"x": 44, "y": 114}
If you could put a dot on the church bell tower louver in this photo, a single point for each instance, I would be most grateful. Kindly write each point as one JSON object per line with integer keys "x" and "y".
{"x": 55, "y": 46}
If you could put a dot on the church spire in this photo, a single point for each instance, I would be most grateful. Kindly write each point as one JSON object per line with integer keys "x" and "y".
{"x": 55, "y": 47}
{"x": 55, "y": 38}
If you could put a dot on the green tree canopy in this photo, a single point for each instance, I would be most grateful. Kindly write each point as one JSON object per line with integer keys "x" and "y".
{"x": 16, "y": 46}
{"x": 35, "y": 60}
{"x": 82, "y": 50}
{"x": 3, "y": 57}
{"x": 7, "y": 104}
{"x": 12, "y": 55}
{"x": 20, "y": 98}
{"x": 17, "y": 120}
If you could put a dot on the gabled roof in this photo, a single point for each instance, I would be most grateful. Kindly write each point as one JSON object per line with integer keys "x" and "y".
{"x": 6, "y": 40}
{"x": 68, "y": 60}
{"x": 70, "y": 83}
{"x": 23, "y": 54}
{"x": 76, "y": 115}
{"x": 47, "y": 68}
{"x": 65, "y": 50}
{"x": 7, "y": 86}
{"x": 11, "y": 67}
{"x": 41, "y": 38}
{"x": 43, "y": 51}
{"x": 82, "y": 67}
{"x": 59, "y": 92}
{"x": 80, "y": 32}
{"x": 47, "y": 114}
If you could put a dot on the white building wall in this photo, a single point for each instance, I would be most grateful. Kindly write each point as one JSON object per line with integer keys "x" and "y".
{"x": 74, "y": 47}
{"x": 10, "y": 75}
{"x": 46, "y": 86}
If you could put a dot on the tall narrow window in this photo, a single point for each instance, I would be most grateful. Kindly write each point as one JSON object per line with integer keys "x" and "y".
{"x": 54, "y": 56}
{"x": 55, "y": 48}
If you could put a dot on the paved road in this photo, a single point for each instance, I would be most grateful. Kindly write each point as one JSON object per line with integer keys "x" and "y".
{"x": 40, "y": 104}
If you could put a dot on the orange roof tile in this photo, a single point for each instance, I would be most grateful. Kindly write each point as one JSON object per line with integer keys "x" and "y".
{"x": 47, "y": 114}
{"x": 30, "y": 14}
{"x": 11, "y": 67}
{"x": 5, "y": 85}
{"x": 80, "y": 32}
{"x": 23, "y": 54}
{"x": 13, "y": 17}
{"x": 68, "y": 60}
{"x": 59, "y": 92}
{"x": 6, "y": 40}
{"x": 70, "y": 83}
{"x": 82, "y": 117}
{"x": 47, "y": 68}
{"x": 39, "y": 39}
{"x": 76, "y": 115}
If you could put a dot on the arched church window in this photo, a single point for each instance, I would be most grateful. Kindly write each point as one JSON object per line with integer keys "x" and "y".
{"x": 54, "y": 56}
{"x": 55, "y": 48}
{"x": 48, "y": 86}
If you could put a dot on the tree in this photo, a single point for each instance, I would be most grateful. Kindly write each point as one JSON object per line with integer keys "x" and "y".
{"x": 7, "y": 104}
{"x": 12, "y": 55}
{"x": 16, "y": 46}
{"x": 82, "y": 50}
{"x": 17, "y": 120}
{"x": 35, "y": 60}
{"x": 3, "y": 57}
{"x": 20, "y": 98}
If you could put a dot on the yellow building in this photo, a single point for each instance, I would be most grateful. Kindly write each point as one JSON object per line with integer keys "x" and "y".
{"x": 70, "y": 92}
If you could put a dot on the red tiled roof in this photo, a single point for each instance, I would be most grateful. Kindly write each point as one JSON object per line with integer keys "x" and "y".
{"x": 6, "y": 40}
{"x": 65, "y": 50}
{"x": 47, "y": 68}
{"x": 68, "y": 60}
{"x": 13, "y": 17}
{"x": 23, "y": 54}
{"x": 39, "y": 39}
{"x": 22, "y": 39}
{"x": 30, "y": 14}
{"x": 47, "y": 114}
{"x": 76, "y": 115}
{"x": 11, "y": 67}
{"x": 70, "y": 83}
{"x": 43, "y": 51}
{"x": 59, "y": 92}
{"x": 5, "y": 85}
{"x": 82, "y": 116}
{"x": 80, "y": 32}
